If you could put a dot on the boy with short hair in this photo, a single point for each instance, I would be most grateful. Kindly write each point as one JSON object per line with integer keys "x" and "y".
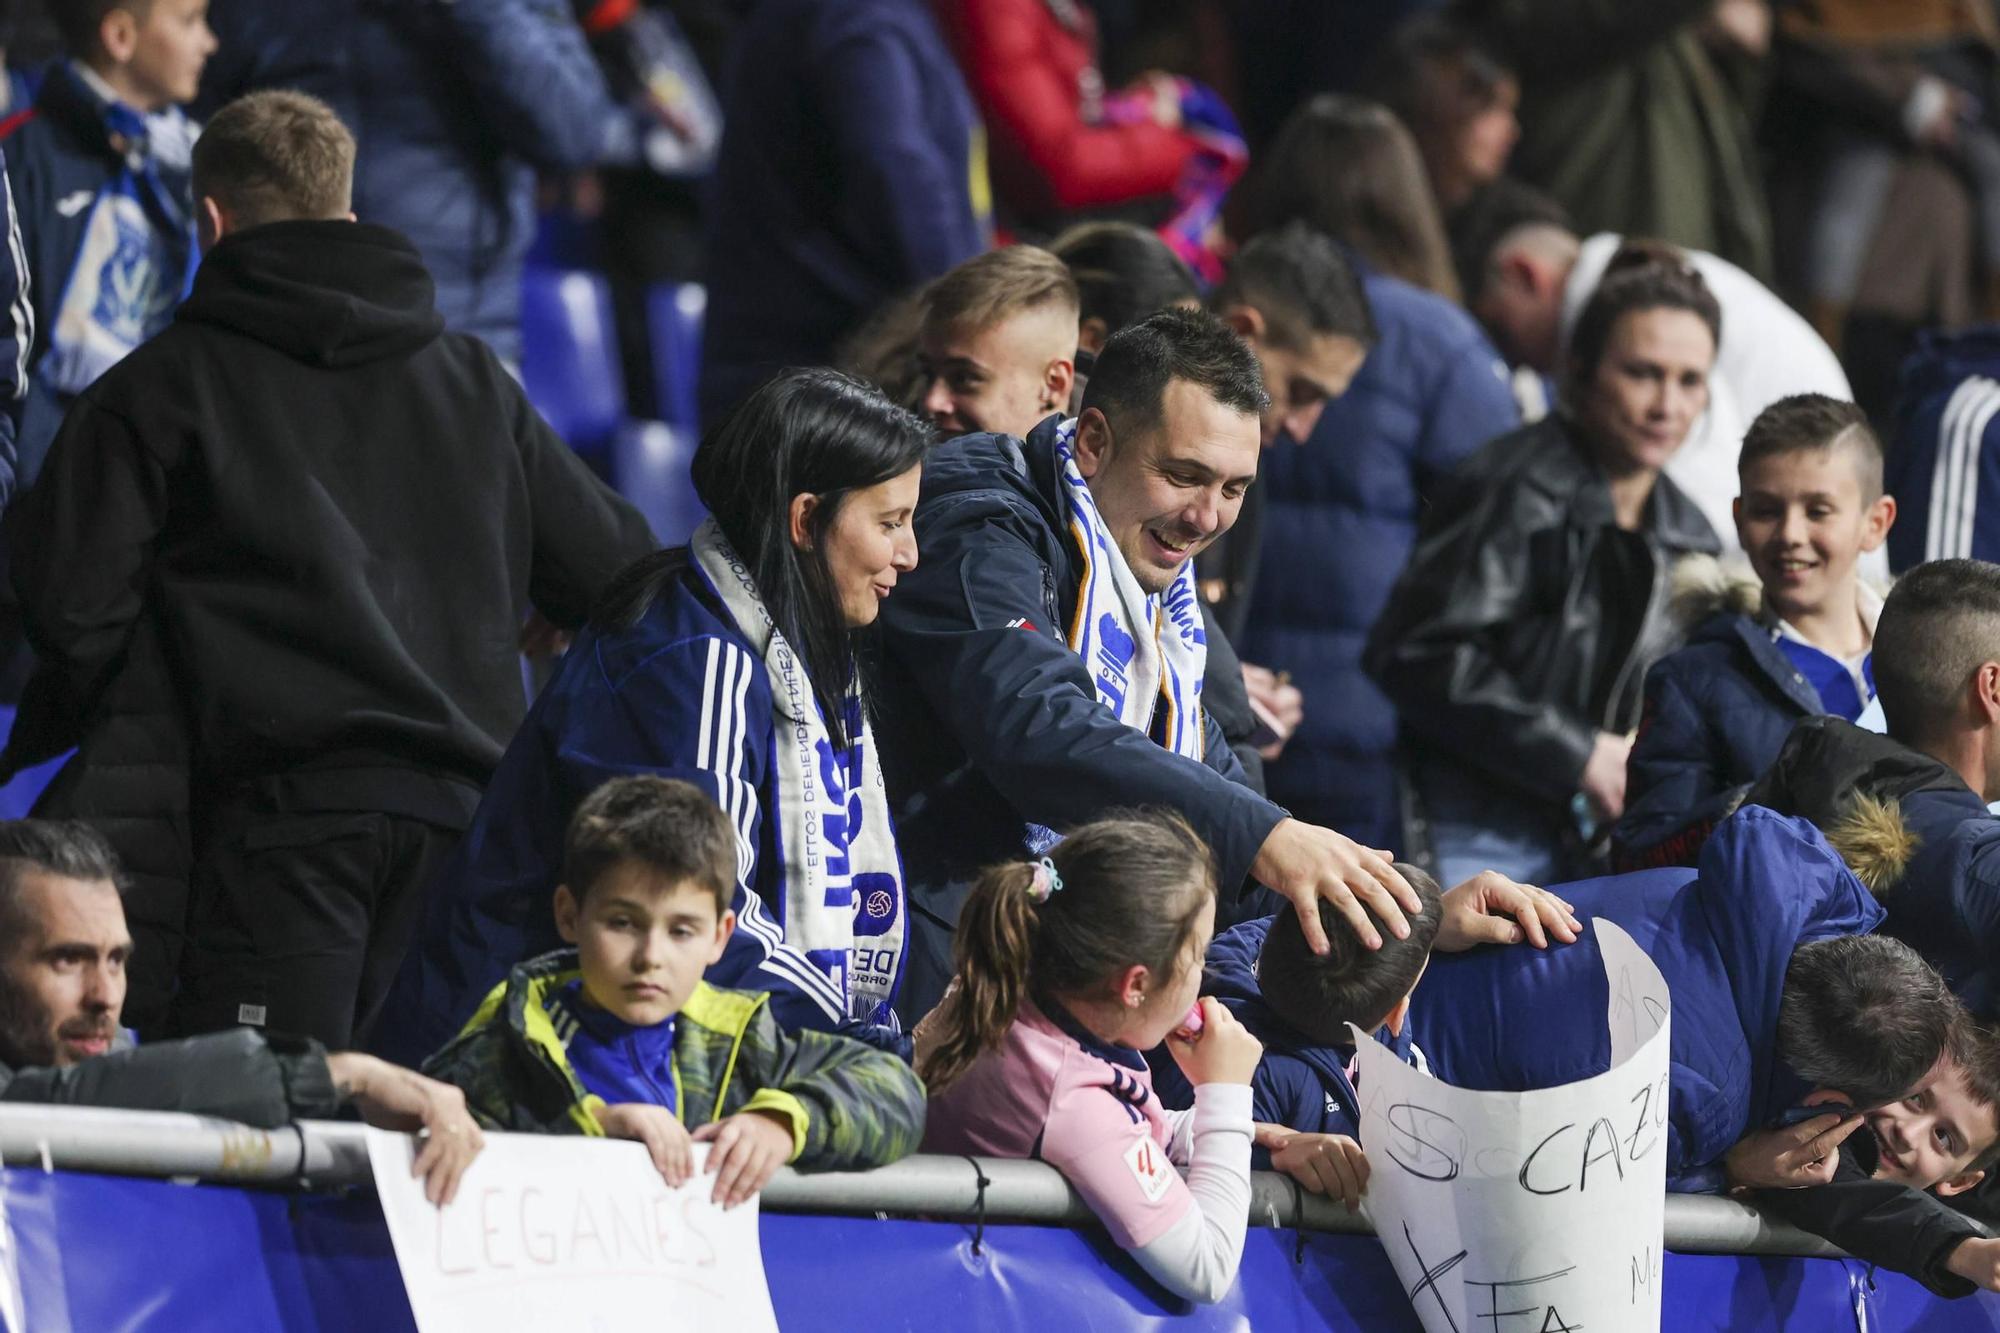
{"x": 1797, "y": 644}
{"x": 619, "y": 1036}
{"x": 101, "y": 168}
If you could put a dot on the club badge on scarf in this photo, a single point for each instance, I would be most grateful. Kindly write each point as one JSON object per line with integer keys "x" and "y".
{"x": 1141, "y": 651}
{"x": 843, "y": 903}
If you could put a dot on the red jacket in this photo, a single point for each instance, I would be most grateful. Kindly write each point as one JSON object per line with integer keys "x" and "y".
{"x": 1032, "y": 67}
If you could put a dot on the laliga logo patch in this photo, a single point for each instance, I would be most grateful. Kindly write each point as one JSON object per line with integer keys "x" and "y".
{"x": 1149, "y": 1168}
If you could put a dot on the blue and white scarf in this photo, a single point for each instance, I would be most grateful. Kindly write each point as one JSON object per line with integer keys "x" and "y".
{"x": 1141, "y": 651}
{"x": 137, "y": 259}
{"x": 843, "y": 901}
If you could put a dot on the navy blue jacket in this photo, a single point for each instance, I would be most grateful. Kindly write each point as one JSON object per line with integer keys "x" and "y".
{"x": 1940, "y": 880}
{"x": 847, "y": 175}
{"x": 683, "y": 694}
{"x": 1431, "y": 392}
{"x": 57, "y": 151}
{"x": 17, "y": 335}
{"x": 1717, "y": 712}
{"x": 991, "y": 723}
{"x": 1944, "y": 463}
{"x": 455, "y": 105}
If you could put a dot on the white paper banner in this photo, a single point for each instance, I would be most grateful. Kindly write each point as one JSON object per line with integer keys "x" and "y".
{"x": 1529, "y": 1212}
{"x": 559, "y": 1233}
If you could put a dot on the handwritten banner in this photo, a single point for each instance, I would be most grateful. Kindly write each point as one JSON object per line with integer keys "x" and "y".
{"x": 1529, "y": 1212}
{"x": 574, "y": 1234}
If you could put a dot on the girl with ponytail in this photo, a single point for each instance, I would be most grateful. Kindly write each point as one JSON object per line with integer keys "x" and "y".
{"x": 1067, "y": 968}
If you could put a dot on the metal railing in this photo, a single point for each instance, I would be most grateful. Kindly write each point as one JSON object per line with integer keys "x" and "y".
{"x": 319, "y": 1154}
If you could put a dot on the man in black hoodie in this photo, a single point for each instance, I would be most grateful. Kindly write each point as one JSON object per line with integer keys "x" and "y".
{"x": 274, "y": 571}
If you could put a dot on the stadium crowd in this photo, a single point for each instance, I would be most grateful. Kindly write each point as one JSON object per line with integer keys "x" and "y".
{"x": 1220, "y": 523}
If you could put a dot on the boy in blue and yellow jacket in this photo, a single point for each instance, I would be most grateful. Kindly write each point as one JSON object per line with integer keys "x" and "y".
{"x": 620, "y": 1036}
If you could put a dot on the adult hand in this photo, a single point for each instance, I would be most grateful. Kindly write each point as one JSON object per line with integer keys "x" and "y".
{"x": 1744, "y": 24}
{"x": 1791, "y": 1156}
{"x": 1977, "y": 1261}
{"x": 749, "y": 1147}
{"x": 1277, "y": 696}
{"x": 1222, "y": 1052}
{"x": 666, "y": 1138}
{"x": 1306, "y": 863}
{"x": 391, "y": 1097}
{"x": 1489, "y": 908}
{"x": 1330, "y": 1164}
{"x": 1604, "y": 773}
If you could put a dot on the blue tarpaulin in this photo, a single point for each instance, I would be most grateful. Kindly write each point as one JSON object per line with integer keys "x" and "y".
{"x": 98, "y": 1254}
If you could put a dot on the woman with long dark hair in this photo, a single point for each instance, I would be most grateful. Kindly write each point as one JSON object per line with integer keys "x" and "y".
{"x": 733, "y": 663}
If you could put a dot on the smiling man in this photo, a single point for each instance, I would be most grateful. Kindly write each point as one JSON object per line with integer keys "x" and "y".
{"x": 999, "y": 342}
{"x": 1047, "y": 657}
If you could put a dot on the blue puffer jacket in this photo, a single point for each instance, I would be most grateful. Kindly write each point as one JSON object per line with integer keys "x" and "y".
{"x": 1342, "y": 512}
{"x": 454, "y": 104}
{"x": 1717, "y": 713}
{"x": 1926, "y": 844}
{"x": 1512, "y": 1019}
{"x": 1944, "y": 464}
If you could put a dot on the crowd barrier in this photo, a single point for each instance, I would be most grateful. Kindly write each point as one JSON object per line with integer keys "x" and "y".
{"x": 110, "y": 1231}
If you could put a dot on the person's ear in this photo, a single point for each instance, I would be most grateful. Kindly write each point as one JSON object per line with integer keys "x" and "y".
{"x": 801, "y": 520}
{"x": 1736, "y": 516}
{"x": 1131, "y": 985}
{"x": 1520, "y": 270}
{"x": 1986, "y": 693}
{"x": 567, "y": 909}
{"x": 1091, "y": 335}
{"x": 1959, "y": 1183}
{"x": 1092, "y": 446}
{"x": 1247, "y": 322}
{"x": 1398, "y": 1016}
{"x": 1875, "y": 527}
{"x": 211, "y": 224}
{"x": 1057, "y": 381}
{"x": 724, "y": 928}
{"x": 118, "y": 34}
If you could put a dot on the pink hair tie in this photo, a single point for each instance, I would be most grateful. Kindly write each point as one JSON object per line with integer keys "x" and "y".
{"x": 1046, "y": 882}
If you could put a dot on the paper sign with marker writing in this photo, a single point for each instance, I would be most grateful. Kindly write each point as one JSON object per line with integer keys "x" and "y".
{"x": 1529, "y": 1212}
{"x": 570, "y": 1233}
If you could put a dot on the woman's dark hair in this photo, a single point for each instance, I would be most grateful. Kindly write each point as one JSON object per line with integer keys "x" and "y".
{"x": 802, "y": 432}
{"x": 1123, "y": 272}
{"x": 1643, "y": 275}
{"x": 1134, "y": 887}
{"x": 1349, "y": 168}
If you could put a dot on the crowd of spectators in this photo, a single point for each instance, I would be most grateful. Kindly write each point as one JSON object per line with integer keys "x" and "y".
{"x": 1271, "y": 519}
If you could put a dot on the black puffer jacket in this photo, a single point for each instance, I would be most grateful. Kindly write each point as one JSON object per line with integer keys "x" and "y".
{"x": 1494, "y": 644}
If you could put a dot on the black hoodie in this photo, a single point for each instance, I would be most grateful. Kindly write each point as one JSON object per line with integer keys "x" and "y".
{"x": 331, "y": 514}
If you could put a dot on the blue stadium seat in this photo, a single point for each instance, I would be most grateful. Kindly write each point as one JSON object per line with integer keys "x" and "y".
{"x": 673, "y": 324}
{"x": 18, "y": 796}
{"x": 649, "y": 466}
{"x": 569, "y": 356}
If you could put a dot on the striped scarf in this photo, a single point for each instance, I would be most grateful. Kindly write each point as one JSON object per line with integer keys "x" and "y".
{"x": 842, "y": 902}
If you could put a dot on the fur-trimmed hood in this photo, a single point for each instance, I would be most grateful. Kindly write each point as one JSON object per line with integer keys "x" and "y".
{"x": 1857, "y": 787}
{"x": 1705, "y": 587}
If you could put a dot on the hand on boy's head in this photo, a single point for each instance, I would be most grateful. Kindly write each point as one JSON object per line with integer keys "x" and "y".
{"x": 1329, "y": 1164}
{"x": 666, "y": 1139}
{"x": 1490, "y": 908}
{"x": 746, "y": 1151}
{"x": 1305, "y": 863}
